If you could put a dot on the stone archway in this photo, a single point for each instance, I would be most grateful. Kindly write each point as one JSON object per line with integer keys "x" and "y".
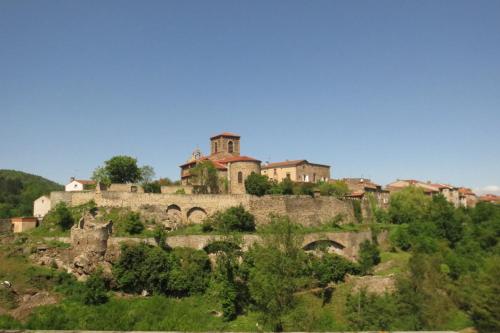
{"x": 174, "y": 214}
{"x": 196, "y": 215}
{"x": 325, "y": 244}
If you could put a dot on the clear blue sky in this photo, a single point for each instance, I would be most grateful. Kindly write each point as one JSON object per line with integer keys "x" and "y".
{"x": 380, "y": 89}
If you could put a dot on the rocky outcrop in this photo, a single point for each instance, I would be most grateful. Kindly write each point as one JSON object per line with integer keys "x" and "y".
{"x": 89, "y": 244}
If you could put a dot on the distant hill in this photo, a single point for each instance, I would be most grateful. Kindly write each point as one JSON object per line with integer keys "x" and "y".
{"x": 18, "y": 190}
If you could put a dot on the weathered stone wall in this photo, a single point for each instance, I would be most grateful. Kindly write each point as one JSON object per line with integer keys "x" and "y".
{"x": 343, "y": 243}
{"x": 246, "y": 168}
{"x": 193, "y": 208}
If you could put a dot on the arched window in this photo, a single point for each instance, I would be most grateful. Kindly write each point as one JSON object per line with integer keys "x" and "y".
{"x": 230, "y": 146}
{"x": 215, "y": 148}
{"x": 240, "y": 177}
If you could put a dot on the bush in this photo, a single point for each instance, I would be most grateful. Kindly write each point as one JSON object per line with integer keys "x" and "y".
{"x": 337, "y": 189}
{"x": 257, "y": 184}
{"x": 331, "y": 268}
{"x": 64, "y": 218}
{"x": 358, "y": 213}
{"x": 190, "y": 272}
{"x": 132, "y": 224}
{"x": 369, "y": 256}
{"x": 232, "y": 219}
{"x": 94, "y": 292}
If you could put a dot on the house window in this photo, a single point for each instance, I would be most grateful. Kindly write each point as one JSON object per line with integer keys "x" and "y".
{"x": 275, "y": 172}
{"x": 314, "y": 177}
{"x": 230, "y": 146}
{"x": 288, "y": 175}
{"x": 240, "y": 177}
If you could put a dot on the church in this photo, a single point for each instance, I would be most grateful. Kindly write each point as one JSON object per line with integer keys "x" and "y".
{"x": 225, "y": 156}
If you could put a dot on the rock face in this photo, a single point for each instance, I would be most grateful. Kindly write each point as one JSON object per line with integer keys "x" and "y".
{"x": 89, "y": 240}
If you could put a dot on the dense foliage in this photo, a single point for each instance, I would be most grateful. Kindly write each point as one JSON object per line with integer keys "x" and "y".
{"x": 18, "y": 190}
{"x": 232, "y": 219}
{"x": 205, "y": 178}
{"x": 123, "y": 169}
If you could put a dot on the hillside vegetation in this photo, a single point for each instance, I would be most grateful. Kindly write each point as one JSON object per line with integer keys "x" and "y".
{"x": 444, "y": 264}
{"x": 18, "y": 190}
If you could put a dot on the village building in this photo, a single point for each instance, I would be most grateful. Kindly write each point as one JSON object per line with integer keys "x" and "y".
{"x": 361, "y": 188}
{"x": 454, "y": 195}
{"x": 41, "y": 207}
{"x": 467, "y": 197}
{"x": 232, "y": 168}
{"x": 21, "y": 224}
{"x": 492, "y": 198}
{"x": 79, "y": 185}
{"x": 297, "y": 171}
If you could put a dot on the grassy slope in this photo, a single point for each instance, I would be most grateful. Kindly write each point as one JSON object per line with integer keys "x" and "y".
{"x": 18, "y": 190}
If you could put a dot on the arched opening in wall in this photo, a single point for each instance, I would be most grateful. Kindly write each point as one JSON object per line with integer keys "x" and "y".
{"x": 230, "y": 146}
{"x": 174, "y": 213}
{"x": 240, "y": 177}
{"x": 325, "y": 245}
{"x": 196, "y": 215}
{"x": 221, "y": 246}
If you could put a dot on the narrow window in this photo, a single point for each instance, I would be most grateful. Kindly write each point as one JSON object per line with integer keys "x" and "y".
{"x": 215, "y": 148}
{"x": 230, "y": 146}
{"x": 240, "y": 177}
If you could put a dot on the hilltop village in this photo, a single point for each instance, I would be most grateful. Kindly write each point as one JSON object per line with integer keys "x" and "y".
{"x": 233, "y": 169}
{"x": 235, "y": 235}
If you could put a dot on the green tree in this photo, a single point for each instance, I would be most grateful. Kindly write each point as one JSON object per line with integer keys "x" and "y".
{"x": 101, "y": 175}
{"x": 408, "y": 205}
{"x": 369, "y": 256}
{"x": 95, "y": 291}
{"x": 121, "y": 169}
{"x": 275, "y": 270}
{"x": 64, "y": 218}
{"x": 232, "y": 219}
{"x": 257, "y": 184}
{"x": 205, "y": 178}
{"x": 336, "y": 188}
{"x": 147, "y": 173}
{"x": 330, "y": 267}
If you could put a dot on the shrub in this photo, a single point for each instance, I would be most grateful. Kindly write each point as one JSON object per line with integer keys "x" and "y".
{"x": 94, "y": 292}
{"x": 331, "y": 268}
{"x": 232, "y": 219}
{"x": 257, "y": 184}
{"x": 64, "y": 219}
{"x": 337, "y": 189}
{"x": 358, "y": 213}
{"x": 369, "y": 256}
{"x": 132, "y": 224}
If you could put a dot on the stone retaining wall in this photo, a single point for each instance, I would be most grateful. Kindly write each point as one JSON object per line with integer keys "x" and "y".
{"x": 193, "y": 208}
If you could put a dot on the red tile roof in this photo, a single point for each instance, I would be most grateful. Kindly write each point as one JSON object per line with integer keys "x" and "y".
{"x": 290, "y": 163}
{"x": 490, "y": 198}
{"x": 237, "y": 159}
{"x": 465, "y": 191}
{"x": 228, "y": 134}
{"x": 85, "y": 181}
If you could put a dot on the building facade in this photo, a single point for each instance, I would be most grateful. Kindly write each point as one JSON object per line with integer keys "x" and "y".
{"x": 297, "y": 171}
{"x": 79, "y": 185}
{"x": 41, "y": 207}
{"x": 361, "y": 188}
{"x": 232, "y": 168}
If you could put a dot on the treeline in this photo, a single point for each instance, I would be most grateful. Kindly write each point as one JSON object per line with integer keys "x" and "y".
{"x": 18, "y": 190}
{"x": 454, "y": 267}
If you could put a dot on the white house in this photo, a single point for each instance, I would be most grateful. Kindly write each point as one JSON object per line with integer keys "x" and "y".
{"x": 41, "y": 207}
{"x": 78, "y": 184}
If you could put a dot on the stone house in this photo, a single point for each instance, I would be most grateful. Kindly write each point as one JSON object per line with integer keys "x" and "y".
{"x": 21, "y": 224}
{"x": 492, "y": 198}
{"x": 232, "y": 168}
{"x": 360, "y": 188}
{"x": 79, "y": 185}
{"x": 297, "y": 171}
{"x": 454, "y": 195}
{"x": 41, "y": 207}
{"x": 467, "y": 197}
